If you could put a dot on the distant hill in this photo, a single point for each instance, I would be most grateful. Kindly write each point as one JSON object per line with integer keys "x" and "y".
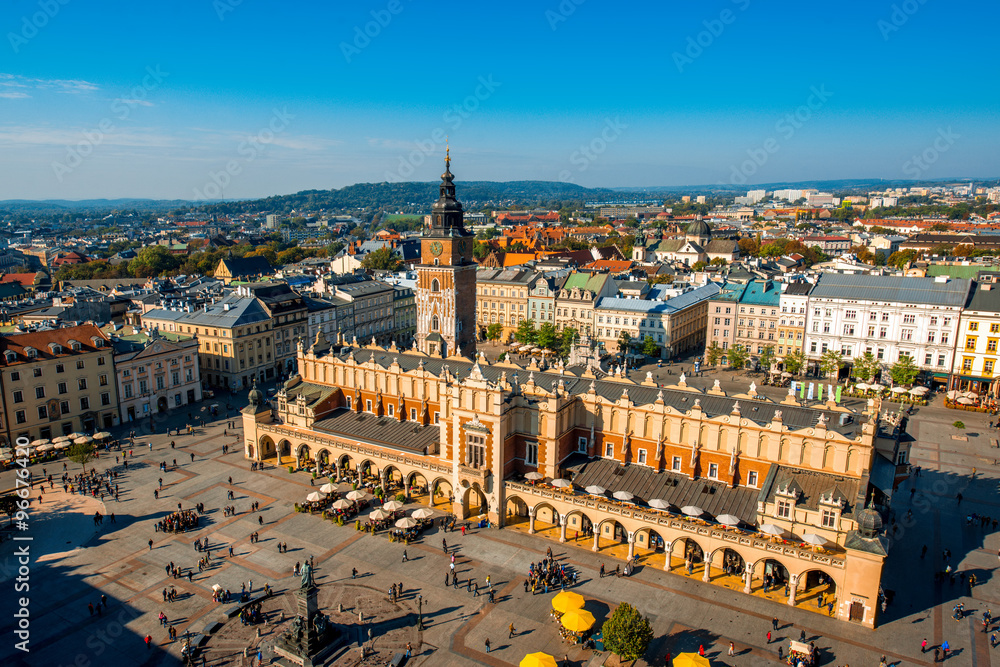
{"x": 90, "y": 205}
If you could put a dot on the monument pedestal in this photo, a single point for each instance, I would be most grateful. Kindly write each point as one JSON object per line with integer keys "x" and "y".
{"x": 309, "y": 639}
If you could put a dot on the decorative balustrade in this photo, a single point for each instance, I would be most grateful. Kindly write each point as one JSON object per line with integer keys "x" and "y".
{"x": 676, "y": 523}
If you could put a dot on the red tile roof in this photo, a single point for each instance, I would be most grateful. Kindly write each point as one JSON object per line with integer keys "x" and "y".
{"x": 25, "y": 279}
{"x": 39, "y": 340}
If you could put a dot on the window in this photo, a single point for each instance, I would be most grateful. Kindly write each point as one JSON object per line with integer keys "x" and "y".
{"x": 970, "y": 343}
{"x": 348, "y": 401}
{"x": 36, "y": 372}
{"x": 987, "y": 366}
{"x": 930, "y": 336}
{"x": 100, "y": 361}
{"x": 64, "y": 407}
{"x": 784, "y": 509}
{"x": 675, "y": 463}
{"x": 609, "y": 450}
{"x": 105, "y": 398}
{"x": 941, "y": 359}
{"x": 850, "y": 314}
{"x": 15, "y": 376}
{"x": 848, "y": 329}
{"x": 60, "y": 368}
{"x": 829, "y": 519}
{"x": 437, "y": 417}
{"x": 581, "y": 444}
{"x": 944, "y": 337}
{"x": 476, "y": 451}
{"x": 883, "y": 332}
{"x": 752, "y": 478}
{"x": 128, "y": 390}
{"x": 368, "y": 406}
{"x": 159, "y": 379}
{"x": 713, "y": 470}
{"x": 973, "y": 326}
{"x": 103, "y": 380}
{"x": 967, "y": 364}
{"x": 79, "y": 365}
{"x": 177, "y": 400}
{"x": 43, "y": 412}
{"x": 641, "y": 456}
{"x": 909, "y": 318}
{"x": 19, "y": 417}
{"x": 18, "y": 397}
{"x": 82, "y": 383}
{"x": 995, "y": 328}
{"x": 39, "y": 392}
{"x": 84, "y": 403}
{"x": 991, "y": 345}
{"x": 531, "y": 454}
{"x": 928, "y": 358}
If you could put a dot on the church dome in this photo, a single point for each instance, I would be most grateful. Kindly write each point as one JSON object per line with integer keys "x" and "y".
{"x": 698, "y": 228}
{"x": 256, "y": 396}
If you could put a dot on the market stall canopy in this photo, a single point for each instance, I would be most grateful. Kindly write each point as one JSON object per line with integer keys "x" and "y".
{"x": 691, "y": 660}
{"x": 538, "y": 660}
{"x": 659, "y": 504}
{"x": 567, "y": 600}
{"x": 578, "y": 620}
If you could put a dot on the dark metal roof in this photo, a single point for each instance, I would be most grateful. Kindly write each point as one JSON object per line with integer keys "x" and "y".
{"x": 382, "y": 431}
{"x": 715, "y": 498}
{"x": 761, "y": 412}
{"x": 813, "y": 484}
{"x": 891, "y": 289}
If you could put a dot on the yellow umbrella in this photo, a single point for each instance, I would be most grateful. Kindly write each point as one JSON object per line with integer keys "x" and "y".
{"x": 578, "y": 620}
{"x": 691, "y": 660}
{"x": 567, "y": 600}
{"x": 538, "y": 660}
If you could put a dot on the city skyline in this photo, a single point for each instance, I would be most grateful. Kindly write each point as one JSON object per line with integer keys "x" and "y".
{"x": 145, "y": 103}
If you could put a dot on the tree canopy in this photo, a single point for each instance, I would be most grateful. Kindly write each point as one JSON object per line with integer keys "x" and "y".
{"x": 904, "y": 371}
{"x": 383, "y": 259}
{"x": 627, "y": 633}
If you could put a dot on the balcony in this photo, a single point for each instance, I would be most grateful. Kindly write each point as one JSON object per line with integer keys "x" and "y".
{"x": 474, "y": 472}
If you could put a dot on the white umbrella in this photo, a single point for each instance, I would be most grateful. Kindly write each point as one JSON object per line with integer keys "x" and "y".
{"x": 328, "y": 488}
{"x": 562, "y": 484}
{"x": 965, "y": 400}
{"x": 62, "y": 438}
{"x": 814, "y": 539}
{"x": 6, "y": 452}
{"x": 39, "y": 443}
{"x": 863, "y": 386}
{"x": 77, "y": 434}
{"x": 899, "y": 390}
{"x": 692, "y": 510}
{"x": 356, "y": 495}
{"x": 315, "y": 497}
{"x": 971, "y": 394}
{"x": 919, "y": 391}
{"x": 771, "y": 529}
{"x": 786, "y": 374}
{"x": 952, "y": 395}
{"x": 728, "y": 520}
{"x": 623, "y": 495}
{"x": 876, "y": 387}
{"x": 422, "y": 513}
{"x": 63, "y": 445}
{"x": 341, "y": 504}
{"x": 595, "y": 490}
{"x": 392, "y": 506}
{"x": 46, "y": 448}
{"x": 103, "y": 435}
{"x": 406, "y": 522}
{"x": 379, "y": 515}
{"x": 658, "y": 503}
{"x": 534, "y": 476}
{"x": 85, "y": 440}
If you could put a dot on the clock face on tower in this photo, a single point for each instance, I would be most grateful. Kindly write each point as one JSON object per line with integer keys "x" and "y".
{"x": 436, "y": 248}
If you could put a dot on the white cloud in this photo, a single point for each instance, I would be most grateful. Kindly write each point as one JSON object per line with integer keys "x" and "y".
{"x": 10, "y": 82}
{"x": 133, "y": 103}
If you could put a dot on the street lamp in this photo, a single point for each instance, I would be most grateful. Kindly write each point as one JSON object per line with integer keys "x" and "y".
{"x": 420, "y": 612}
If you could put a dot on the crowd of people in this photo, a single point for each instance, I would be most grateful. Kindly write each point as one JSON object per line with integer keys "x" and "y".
{"x": 178, "y": 522}
{"x": 546, "y": 574}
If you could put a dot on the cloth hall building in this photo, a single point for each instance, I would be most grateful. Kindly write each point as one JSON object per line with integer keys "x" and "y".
{"x": 735, "y": 490}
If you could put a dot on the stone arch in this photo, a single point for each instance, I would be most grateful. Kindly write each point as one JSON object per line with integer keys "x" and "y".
{"x": 515, "y": 511}
{"x": 265, "y": 448}
{"x": 546, "y": 519}
{"x": 474, "y": 501}
{"x": 579, "y": 527}
{"x": 771, "y": 572}
{"x": 323, "y": 457}
{"x": 650, "y": 547}
{"x": 417, "y": 484}
{"x": 283, "y": 449}
{"x": 392, "y": 477}
{"x": 726, "y": 561}
{"x": 815, "y": 586}
{"x": 302, "y": 455}
{"x": 442, "y": 493}
{"x": 612, "y": 532}
{"x": 687, "y": 550}
{"x": 367, "y": 468}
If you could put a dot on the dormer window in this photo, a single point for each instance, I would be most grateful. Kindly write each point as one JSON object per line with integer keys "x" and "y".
{"x": 55, "y": 348}
{"x": 98, "y": 341}
{"x": 31, "y": 353}
{"x": 74, "y": 345}
{"x": 10, "y": 356}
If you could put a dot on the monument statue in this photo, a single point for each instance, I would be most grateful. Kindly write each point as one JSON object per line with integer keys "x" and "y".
{"x": 307, "y": 576}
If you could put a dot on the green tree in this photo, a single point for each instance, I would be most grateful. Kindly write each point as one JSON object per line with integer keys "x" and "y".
{"x": 866, "y": 367}
{"x": 81, "y": 453}
{"x": 831, "y": 362}
{"x": 152, "y": 261}
{"x": 526, "y": 333}
{"x": 712, "y": 354}
{"x": 699, "y": 266}
{"x": 494, "y": 331}
{"x": 959, "y": 425}
{"x": 794, "y": 362}
{"x": 904, "y": 371}
{"x": 383, "y": 259}
{"x": 650, "y": 347}
{"x": 627, "y": 633}
{"x": 547, "y": 336}
{"x": 481, "y": 250}
{"x": 766, "y": 359}
{"x": 737, "y": 356}
{"x": 567, "y": 340}
{"x": 624, "y": 341}
{"x": 8, "y": 505}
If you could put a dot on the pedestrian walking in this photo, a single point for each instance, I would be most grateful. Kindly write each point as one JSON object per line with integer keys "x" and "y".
{"x": 90, "y": 608}
{"x": 510, "y": 631}
{"x": 487, "y": 644}
{"x": 774, "y": 623}
{"x": 923, "y": 645}
{"x": 732, "y": 648}
{"x": 405, "y": 557}
{"x": 354, "y": 573}
{"x": 769, "y": 637}
{"x": 150, "y": 544}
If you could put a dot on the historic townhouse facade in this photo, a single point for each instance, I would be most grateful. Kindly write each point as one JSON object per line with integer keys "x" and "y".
{"x": 889, "y": 316}
{"x": 976, "y": 358}
{"x": 459, "y": 427}
{"x": 502, "y": 298}
{"x": 794, "y": 301}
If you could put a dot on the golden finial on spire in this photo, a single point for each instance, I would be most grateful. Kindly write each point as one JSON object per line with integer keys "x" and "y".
{"x": 447, "y": 152}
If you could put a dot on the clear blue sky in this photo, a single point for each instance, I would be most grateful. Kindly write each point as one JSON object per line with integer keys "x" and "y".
{"x": 81, "y": 116}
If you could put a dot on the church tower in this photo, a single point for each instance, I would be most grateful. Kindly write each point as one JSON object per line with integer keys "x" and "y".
{"x": 446, "y": 278}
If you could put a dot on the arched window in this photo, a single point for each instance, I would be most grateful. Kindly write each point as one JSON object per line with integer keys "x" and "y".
{"x": 435, "y": 286}
{"x": 434, "y": 321}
